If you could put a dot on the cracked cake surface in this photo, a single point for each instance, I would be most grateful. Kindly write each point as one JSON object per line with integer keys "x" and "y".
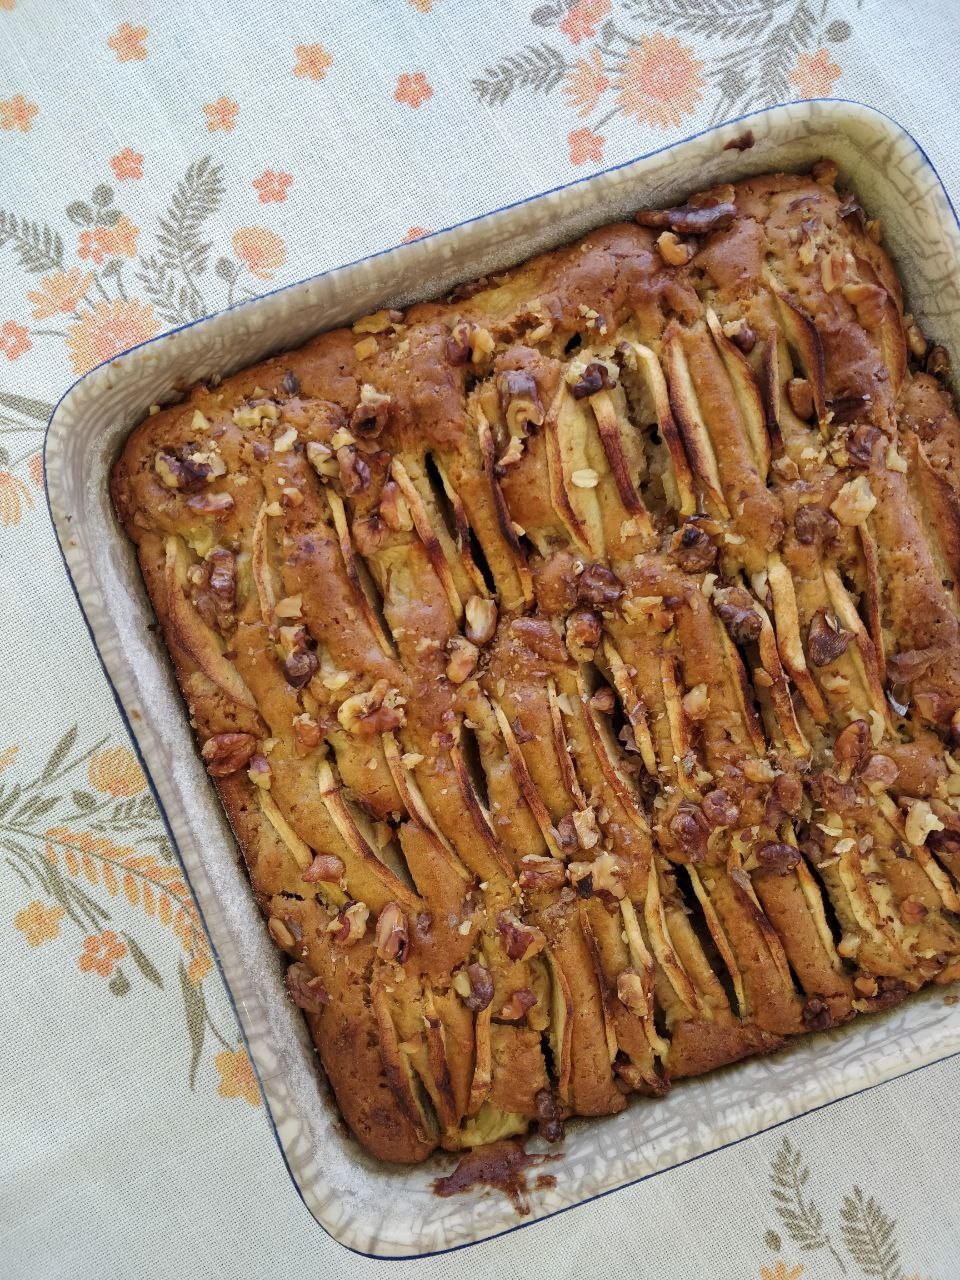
{"x": 578, "y": 661}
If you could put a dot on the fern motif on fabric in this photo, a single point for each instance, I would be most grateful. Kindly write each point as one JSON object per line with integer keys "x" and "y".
{"x": 867, "y": 1233}
{"x": 658, "y": 62}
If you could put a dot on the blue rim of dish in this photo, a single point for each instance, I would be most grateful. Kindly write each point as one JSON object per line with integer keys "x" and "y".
{"x": 296, "y": 284}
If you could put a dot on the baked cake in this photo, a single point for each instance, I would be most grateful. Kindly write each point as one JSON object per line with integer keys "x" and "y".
{"x": 578, "y": 662}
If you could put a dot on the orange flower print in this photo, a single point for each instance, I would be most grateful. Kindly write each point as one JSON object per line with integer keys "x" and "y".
{"x": 814, "y": 74}
{"x": 272, "y": 186}
{"x": 14, "y": 498}
{"x": 236, "y": 1076}
{"x": 261, "y": 250}
{"x": 313, "y": 61}
{"x": 60, "y": 292}
{"x": 7, "y": 757}
{"x": 14, "y": 339}
{"x": 414, "y": 89}
{"x": 116, "y": 772}
{"x": 118, "y": 241}
{"x": 127, "y": 43}
{"x": 221, "y": 115}
{"x": 581, "y": 21}
{"x": 127, "y": 164}
{"x": 7, "y": 6}
{"x": 199, "y": 967}
{"x": 415, "y": 233}
{"x": 35, "y": 470}
{"x": 424, "y": 6}
{"x": 101, "y": 951}
{"x": 17, "y": 113}
{"x": 660, "y": 82}
{"x": 111, "y": 327}
{"x": 781, "y": 1271}
{"x": 585, "y": 147}
{"x": 123, "y": 238}
{"x": 38, "y": 923}
{"x": 585, "y": 83}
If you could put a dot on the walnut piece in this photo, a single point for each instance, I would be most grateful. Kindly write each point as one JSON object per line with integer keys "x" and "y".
{"x": 227, "y": 753}
{"x": 391, "y": 934}
{"x": 854, "y": 502}
{"x": 826, "y": 639}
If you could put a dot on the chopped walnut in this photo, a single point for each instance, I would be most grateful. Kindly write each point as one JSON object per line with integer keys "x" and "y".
{"x": 350, "y": 923}
{"x": 816, "y": 1014}
{"x": 394, "y": 508}
{"x": 913, "y": 911}
{"x": 365, "y": 348}
{"x": 354, "y": 472}
{"x": 826, "y": 638}
{"x": 227, "y": 753}
{"x": 595, "y": 377}
{"x": 852, "y": 748}
{"x": 379, "y": 710}
{"x": 475, "y": 985}
{"x": 774, "y": 855}
{"x": 211, "y": 504}
{"x": 690, "y": 829}
{"x": 854, "y": 502}
{"x": 583, "y": 633}
{"x": 815, "y": 526}
{"x": 674, "y": 252}
{"x": 585, "y": 825}
{"x": 693, "y": 549}
{"x": 463, "y": 659}
{"x": 520, "y": 940}
{"x": 688, "y": 219}
{"x": 735, "y": 605}
{"x": 719, "y": 808}
{"x": 800, "y": 395}
{"x": 300, "y": 663}
{"x": 520, "y": 401}
{"x": 391, "y": 934}
{"x": 320, "y": 456}
{"x": 188, "y": 468}
{"x": 938, "y": 362}
{"x": 879, "y": 773}
{"x": 604, "y": 700}
{"x": 585, "y": 478}
{"x": 541, "y": 873}
{"x": 307, "y": 731}
{"x": 305, "y": 989}
{"x": 372, "y": 413}
{"x": 259, "y": 772}
{"x": 326, "y": 868}
{"x": 921, "y": 820}
{"x": 598, "y": 585}
{"x": 741, "y": 335}
{"x": 696, "y": 703}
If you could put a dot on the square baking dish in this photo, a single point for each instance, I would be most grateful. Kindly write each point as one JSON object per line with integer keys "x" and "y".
{"x": 367, "y": 1206}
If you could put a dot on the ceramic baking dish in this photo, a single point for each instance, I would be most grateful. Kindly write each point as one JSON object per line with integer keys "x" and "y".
{"x": 367, "y": 1206}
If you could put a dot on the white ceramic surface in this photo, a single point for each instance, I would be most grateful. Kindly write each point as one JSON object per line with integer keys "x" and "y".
{"x": 365, "y": 1205}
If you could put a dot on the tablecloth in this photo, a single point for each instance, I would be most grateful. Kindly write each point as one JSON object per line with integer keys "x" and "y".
{"x": 157, "y": 162}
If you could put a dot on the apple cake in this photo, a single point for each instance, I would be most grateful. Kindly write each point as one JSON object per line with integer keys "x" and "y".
{"x": 577, "y": 660}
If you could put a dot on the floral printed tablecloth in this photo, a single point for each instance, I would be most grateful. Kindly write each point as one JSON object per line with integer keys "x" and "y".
{"x": 158, "y": 162}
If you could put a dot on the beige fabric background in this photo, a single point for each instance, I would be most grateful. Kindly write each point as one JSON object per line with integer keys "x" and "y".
{"x": 134, "y": 1141}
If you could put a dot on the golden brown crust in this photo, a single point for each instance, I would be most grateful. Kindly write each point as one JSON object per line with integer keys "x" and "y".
{"x": 577, "y": 661}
